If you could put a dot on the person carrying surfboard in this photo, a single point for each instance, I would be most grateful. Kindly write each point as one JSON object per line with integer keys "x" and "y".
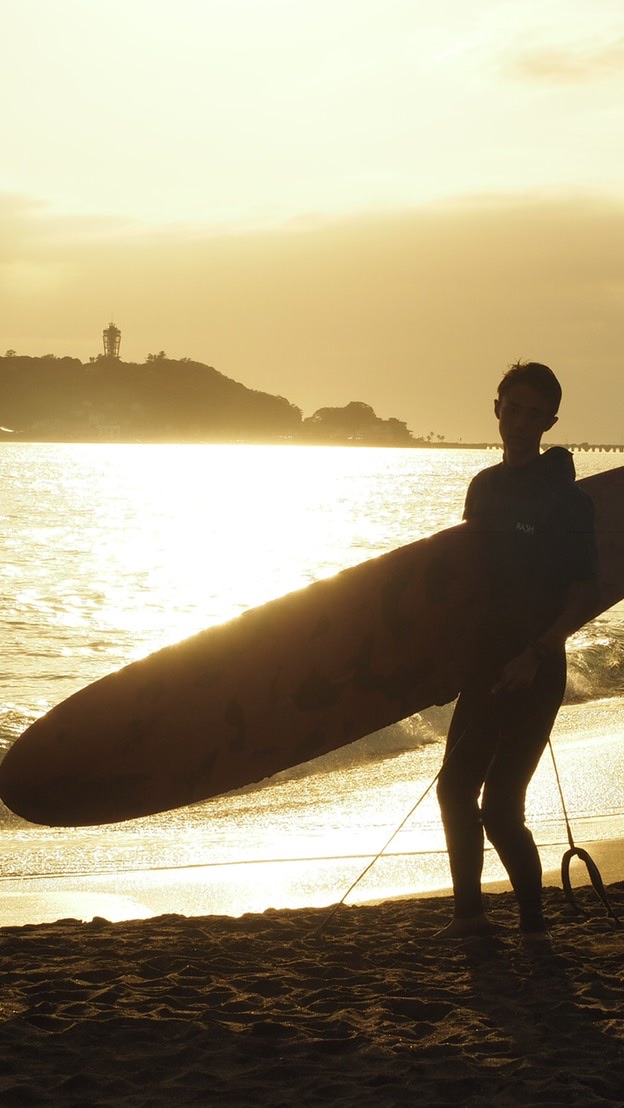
{"x": 542, "y": 570}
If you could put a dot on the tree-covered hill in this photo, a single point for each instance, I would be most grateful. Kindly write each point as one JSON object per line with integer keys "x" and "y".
{"x": 355, "y": 423}
{"x": 165, "y": 400}
{"x": 158, "y": 400}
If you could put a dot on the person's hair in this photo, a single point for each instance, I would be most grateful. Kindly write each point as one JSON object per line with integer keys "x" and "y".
{"x": 541, "y": 377}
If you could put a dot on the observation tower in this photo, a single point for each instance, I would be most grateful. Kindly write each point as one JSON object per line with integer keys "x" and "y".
{"x": 112, "y": 340}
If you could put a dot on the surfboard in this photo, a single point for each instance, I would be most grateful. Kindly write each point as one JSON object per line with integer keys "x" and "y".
{"x": 277, "y": 686}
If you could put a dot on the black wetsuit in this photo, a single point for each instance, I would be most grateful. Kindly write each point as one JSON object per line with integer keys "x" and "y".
{"x": 539, "y": 538}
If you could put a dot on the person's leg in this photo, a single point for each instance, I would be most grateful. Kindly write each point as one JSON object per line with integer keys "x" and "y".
{"x": 526, "y": 723}
{"x": 470, "y": 745}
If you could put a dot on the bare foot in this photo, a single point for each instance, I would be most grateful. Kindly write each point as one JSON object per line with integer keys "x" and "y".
{"x": 538, "y": 939}
{"x": 467, "y": 928}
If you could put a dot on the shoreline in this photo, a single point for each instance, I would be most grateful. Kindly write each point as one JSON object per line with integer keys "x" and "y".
{"x": 15, "y": 437}
{"x": 128, "y": 896}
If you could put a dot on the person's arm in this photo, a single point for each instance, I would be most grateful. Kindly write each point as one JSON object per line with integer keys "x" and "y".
{"x": 582, "y": 600}
{"x": 581, "y": 604}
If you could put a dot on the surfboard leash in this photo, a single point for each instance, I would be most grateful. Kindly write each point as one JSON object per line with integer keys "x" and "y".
{"x": 330, "y": 915}
{"x": 448, "y": 754}
{"x": 575, "y": 851}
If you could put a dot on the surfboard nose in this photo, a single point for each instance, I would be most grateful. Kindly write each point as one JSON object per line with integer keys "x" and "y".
{"x": 18, "y": 785}
{"x": 31, "y": 788}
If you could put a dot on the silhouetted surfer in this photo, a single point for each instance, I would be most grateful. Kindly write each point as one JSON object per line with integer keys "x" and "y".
{"x": 539, "y": 539}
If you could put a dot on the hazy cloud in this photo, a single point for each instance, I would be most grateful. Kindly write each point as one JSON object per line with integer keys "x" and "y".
{"x": 416, "y": 313}
{"x": 568, "y": 65}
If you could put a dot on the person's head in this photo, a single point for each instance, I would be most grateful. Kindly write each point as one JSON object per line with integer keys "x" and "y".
{"x": 526, "y": 406}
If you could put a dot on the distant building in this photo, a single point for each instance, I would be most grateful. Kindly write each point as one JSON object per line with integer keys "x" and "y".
{"x": 112, "y": 341}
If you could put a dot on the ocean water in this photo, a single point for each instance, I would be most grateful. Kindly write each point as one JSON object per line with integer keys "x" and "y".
{"x": 111, "y": 551}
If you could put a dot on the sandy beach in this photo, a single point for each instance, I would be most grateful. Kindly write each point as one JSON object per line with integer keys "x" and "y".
{"x": 267, "y": 1009}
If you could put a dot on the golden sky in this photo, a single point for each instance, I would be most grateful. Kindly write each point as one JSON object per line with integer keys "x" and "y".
{"x": 381, "y": 200}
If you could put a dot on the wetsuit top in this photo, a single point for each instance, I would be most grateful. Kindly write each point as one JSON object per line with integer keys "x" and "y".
{"x": 539, "y": 535}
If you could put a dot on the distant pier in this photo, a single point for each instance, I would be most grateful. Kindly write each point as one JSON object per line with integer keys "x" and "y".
{"x": 599, "y": 447}
{"x": 575, "y": 447}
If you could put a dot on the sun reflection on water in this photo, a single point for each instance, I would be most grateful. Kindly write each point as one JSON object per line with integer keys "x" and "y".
{"x": 120, "y": 549}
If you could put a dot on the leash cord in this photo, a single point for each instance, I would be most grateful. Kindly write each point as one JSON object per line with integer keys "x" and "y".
{"x": 575, "y": 851}
{"x": 447, "y": 754}
{"x": 561, "y": 796}
{"x": 374, "y": 861}
{"x": 572, "y": 852}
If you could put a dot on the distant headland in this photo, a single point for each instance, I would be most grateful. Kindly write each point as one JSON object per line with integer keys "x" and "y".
{"x": 166, "y": 400}
{"x": 60, "y": 399}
